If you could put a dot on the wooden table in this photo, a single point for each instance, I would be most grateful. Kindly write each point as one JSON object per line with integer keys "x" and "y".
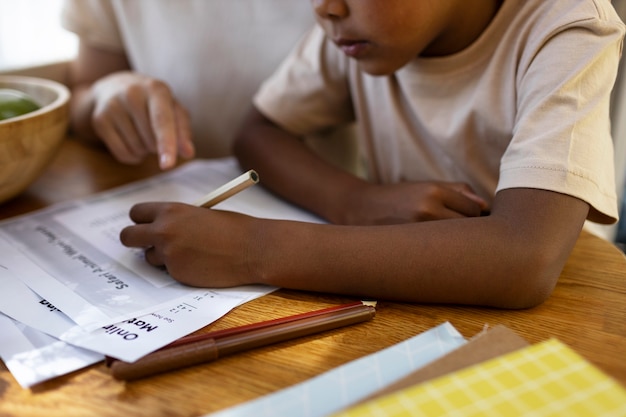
{"x": 587, "y": 311}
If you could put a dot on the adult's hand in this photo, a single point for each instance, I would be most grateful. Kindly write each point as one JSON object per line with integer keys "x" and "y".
{"x": 135, "y": 115}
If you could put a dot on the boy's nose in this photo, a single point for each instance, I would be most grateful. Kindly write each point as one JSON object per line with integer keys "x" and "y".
{"x": 330, "y": 9}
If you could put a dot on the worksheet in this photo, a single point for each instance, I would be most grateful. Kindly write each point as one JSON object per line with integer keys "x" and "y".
{"x": 33, "y": 357}
{"x": 136, "y": 337}
{"x": 25, "y": 306}
{"x": 128, "y": 340}
{"x": 69, "y": 287}
{"x": 70, "y": 253}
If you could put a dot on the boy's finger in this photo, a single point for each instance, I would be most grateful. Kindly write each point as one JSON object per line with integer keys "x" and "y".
{"x": 137, "y": 236}
{"x": 143, "y": 212}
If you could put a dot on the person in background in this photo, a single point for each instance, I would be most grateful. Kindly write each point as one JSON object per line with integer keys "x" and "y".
{"x": 174, "y": 78}
{"x": 485, "y": 130}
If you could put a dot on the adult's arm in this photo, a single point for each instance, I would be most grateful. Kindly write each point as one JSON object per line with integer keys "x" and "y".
{"x": 90, "y": 65}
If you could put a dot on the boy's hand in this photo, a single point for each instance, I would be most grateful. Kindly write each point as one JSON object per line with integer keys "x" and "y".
{"x": 410, "y": 202}
{"x": 198, "y": 246}
{"x": 135, "y": 115}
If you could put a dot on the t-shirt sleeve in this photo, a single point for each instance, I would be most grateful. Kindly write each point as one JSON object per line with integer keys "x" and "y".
{"x": 308, "y": 93}
{"x": 562, "y": 140}
{"x": 94, "y": 22}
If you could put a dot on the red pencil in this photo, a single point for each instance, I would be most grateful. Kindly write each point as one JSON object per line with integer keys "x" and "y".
{"x": 216, "y": 334}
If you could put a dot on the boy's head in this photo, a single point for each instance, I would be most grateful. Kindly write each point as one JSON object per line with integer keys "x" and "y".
{"x": 384, "y": 35}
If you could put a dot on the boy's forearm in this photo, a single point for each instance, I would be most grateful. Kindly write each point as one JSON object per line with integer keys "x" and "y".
{"x": 511, "y": 259}
{"x": 293, "y": 171}
{"x": 410, "y": 263}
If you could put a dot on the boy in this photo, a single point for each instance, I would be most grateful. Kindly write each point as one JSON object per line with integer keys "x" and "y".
{"x": 498, "y": 108}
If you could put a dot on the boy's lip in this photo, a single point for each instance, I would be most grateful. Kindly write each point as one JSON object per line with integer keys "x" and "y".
{"x": 351, "y": 47}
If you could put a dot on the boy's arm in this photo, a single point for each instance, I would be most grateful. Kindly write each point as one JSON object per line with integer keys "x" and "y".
{"x": 290, "y": 169}
{"x": 511, "y": 258}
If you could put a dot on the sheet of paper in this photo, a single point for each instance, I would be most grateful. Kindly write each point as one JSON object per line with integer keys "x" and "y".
{"x": 101, "y": 222}
{"x": 136, "y": 337}
{"x": 347, "y": 384}
{"x": 89, "y": 275}
{"x": 33, "y": 357}
{"x": 546, "y": 379}
{"x": 17, "y": 264}
{"x": 132, "y": 338}
{"x": 26, "y": 307}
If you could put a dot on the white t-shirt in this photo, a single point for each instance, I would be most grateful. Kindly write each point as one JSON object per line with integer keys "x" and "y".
{"x": 526, "y": 105}
{"x": 213, "y": 53}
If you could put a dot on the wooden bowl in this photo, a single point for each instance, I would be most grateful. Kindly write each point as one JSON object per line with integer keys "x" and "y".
{"x": 30, "y": 141}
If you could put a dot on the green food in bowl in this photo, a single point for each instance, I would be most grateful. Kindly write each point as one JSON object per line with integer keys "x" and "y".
{"x": 15, "y": 103}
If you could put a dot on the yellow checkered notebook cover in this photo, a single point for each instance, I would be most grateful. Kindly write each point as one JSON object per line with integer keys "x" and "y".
{"x": 546, "y": 379}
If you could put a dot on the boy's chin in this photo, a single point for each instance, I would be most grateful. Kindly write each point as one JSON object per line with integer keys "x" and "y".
{"x": 377, "y": 69}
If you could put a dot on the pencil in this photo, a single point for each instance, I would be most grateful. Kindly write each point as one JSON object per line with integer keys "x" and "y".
{"x": 260, "y": 325}
{"x": 240, "y": 329}
{"x": 228, "y": 343}
{"x": 229, "y": 189}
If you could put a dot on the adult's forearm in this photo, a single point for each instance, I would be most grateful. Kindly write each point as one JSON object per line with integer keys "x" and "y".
{"x": 91, "y": 65}
{"x": 81, "y": 113}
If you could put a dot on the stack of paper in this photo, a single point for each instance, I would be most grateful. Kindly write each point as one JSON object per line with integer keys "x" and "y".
{"x": 547, "y": 379}
{"x": 437, "y": 373}
{"x": 71, "y": 292}
{"x": 350, "y": 383}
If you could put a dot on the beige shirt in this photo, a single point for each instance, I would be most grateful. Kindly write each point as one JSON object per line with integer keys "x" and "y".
{"x": 213, "y": 53}
{"x": 526, "y": 105}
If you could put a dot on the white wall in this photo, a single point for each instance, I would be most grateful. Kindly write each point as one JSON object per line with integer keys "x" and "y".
{"x": 31, "y": 34}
